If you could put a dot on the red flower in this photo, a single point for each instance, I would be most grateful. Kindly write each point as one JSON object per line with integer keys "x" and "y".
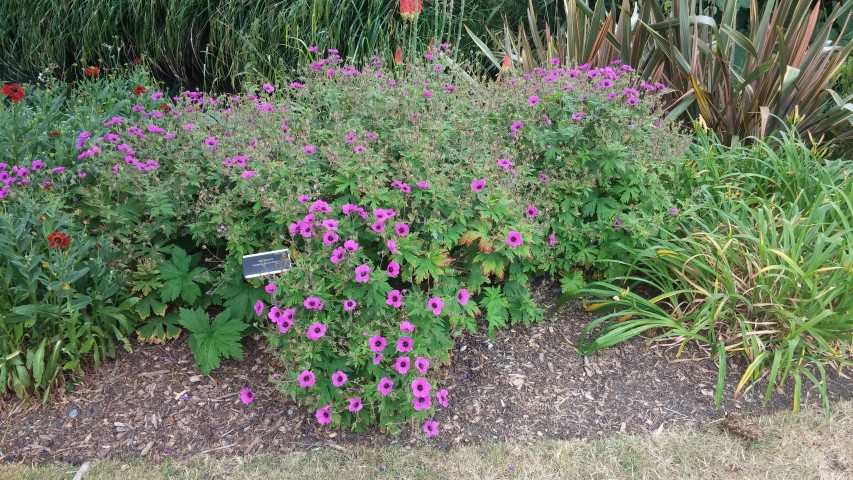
{"x": 165, "y": 108}
{"x": 92, "y": 71}
{"x": 58, "y": 240}
{"x": 505, "y": 64}
{"x": 53, "y": 133}
{"x": 136, "y": 61}
{"x": 409, "y": 9}
{"x": 138, "y": 90}
{"x": 398, "y": 55}
{"x": 14, "y": 91}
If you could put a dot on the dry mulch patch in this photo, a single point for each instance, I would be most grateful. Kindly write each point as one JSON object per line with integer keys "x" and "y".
{"x": 528, "y": 384}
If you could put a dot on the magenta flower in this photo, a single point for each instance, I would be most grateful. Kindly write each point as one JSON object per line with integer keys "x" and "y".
{"x": 513, "y": 239}
{"x": 673, "y": 210}
{"x": 211, "y": 142}
{"x": 270, "y": 288}
{"x": 394, "y": 299}
{"x": 505, "y": 163}
{"x": 422, "y": 403}
{"x": 303, "y": 198}
{"x": 259, "y": 308}
{"x": 349, "y": 305}
{"x": 532, "y": 100}
{"x": 268, "y": 88}
{"x": 330, "y": 224}
{"x": 401, "y": 229}
{"x": 431, "y": 428}
{"x": 247, "y": 395}
{"x": 617, "y": 223}
{"x": 392, "y": 246}
{"x": 552, "y": 239}
{"x": 435, "y": 304}
{"x": 313, "y": 303}
{"x": 420, "y": 387}
{"x": 532, "y": 211}
{"x": 427, "y": 93}
{"x": 330, "y": 238}
{"x": 377, "y": 343}
{"x": 385, "y": 386}
{"x": 516, "y": 126}
{"x": 393, "y": 269}
{"x": 350, "y": 245}
{"x": 320, "y": 206}
{"x": 362, "y": 273}
{"x": 288, "y": 314}
{"x": 402, "y": 365}
{"x": 285, "y": 325}
{"x": 338, "y": 255}
{"x": 462, "y": 296}
{"x": 422, "y": 365}
{"x": 316, "y": 331}
{"x": 632, "y": 101}
{"x": 404, "y": 344}
{"x": 378, "y": 358}
{"x": 339, "y": 378}
{"x": 274, "y": 315}
{"x": 324, "y": 415}
{"x": 355, "y": 404}
{"x": 378, "y": 226}
{"x": 441, "y": 396}
{"x": 478, "y": 185}
{"x": 422, "y": 185}
{"x": 577, "y": 116}
{"x": 407, "y": 327}
{"x": 309, "y": 149}
{"x": 306, "y": 379}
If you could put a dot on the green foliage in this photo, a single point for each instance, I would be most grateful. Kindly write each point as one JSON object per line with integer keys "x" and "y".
{"x": 212, "y": 341}
{"x": 741, "y": 83}
{"x": 760, "y": 267}
{"x": 60, "y": 304}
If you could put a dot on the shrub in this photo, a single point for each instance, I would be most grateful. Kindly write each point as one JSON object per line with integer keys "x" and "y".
{"x": 61, "y": 298}
{"x": 759, "y": 267}
{"x": 481, "y": 187}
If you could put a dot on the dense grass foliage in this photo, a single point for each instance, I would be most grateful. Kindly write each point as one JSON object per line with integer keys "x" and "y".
{"x": 221, "y": 43}
{"x": 760, "y": 266}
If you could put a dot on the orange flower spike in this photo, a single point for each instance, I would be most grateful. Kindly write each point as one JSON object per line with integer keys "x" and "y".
{"x": 398, "y": 55}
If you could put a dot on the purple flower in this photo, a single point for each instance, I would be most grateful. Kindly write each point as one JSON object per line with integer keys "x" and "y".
{"x": 427, "y": 93}
{"x": 306, "y": 379}
{"x": 377, "y": 343}
{"x": 247, "y": 395}
{"x": 478, "y": 185}
{"x": 617, "y": 223}
{"x": 339, "y": 378}
{"x": 309, "y": 149}
{"x": 420, "y": 387}
{"x": 313, "y": 303}
{"x": 392, "y": 246}
{"x": 385, "y": 386}
{"x": 462, "y": 296}
{"x": 402, "y": 365}
{"x": 431, "y": 428}
{"x": 533, "y": 100}
{"x": 547, "y": 119}
{"x": 632, "y": 101}
{"x": 259, "y": 308}
{"x": 330, "y": 238}
{"x": 532, "y": 211}
{"x": 441, "y": 396}
{"x": 274, "y": 315}
{"x": 338, "y": 255}
{"x": 324, "y": 415}
{"x": 422, "y": 185}
{"x": 516, "y": 126}
{"x": 404, "y": 344}
{"x": 316, "y": 331}
{"x": 577, "y": 116}
{"x": 673, "y": 210}
{"x": 552, "y": 239}
{"x": 350, "y": 245}
{"x": 378, "y": 358}
{"x": 355, "y": 404}
{"x": 362, "y": 273}
{"x": 505, "y": 163}
{"x": 270, "y": 288}
{"x": 349, "y": 305}
{"x": 422, "y": 365}
{"x": 407, "y": 327}
{"x": 303, "y": 198}
{"x": 513, "y": 239}
{"x": 211, "y": 142}
{"x": 378, "y": 226}
{"x": 358, "y": 148}
{"x": 394, "y": 299}
{"x": 320, "y": 206}
{"x": 268, "y": 88}
{"x": 330, "y": 224}
{"x": 435, "y": 304}
{"x": 401, "y": 229}
{"x": 422, "y": 403}
{"x": 248, "y": 174}
{"x": 393, "y": 269}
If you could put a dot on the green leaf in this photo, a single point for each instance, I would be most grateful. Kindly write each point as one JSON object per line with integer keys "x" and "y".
{"x": 210, "y": 342}
{"x": 179, "y": 278}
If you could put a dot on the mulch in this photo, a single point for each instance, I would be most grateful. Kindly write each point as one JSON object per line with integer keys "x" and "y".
{"x": 527, "y": 385}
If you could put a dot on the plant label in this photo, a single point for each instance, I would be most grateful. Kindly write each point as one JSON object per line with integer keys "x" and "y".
{"x": 266, "y": 263}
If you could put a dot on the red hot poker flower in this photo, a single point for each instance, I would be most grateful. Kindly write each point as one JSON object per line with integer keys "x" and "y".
{"x": 398, "y": 55}
{"x": 14, "y": 91}
{"x": 505, "y": 64}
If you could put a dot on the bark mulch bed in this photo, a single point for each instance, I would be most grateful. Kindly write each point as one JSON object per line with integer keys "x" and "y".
{"x": 528, "y": 384}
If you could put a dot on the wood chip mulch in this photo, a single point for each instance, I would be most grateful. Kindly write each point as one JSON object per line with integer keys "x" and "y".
{"x": 526, "y": 385}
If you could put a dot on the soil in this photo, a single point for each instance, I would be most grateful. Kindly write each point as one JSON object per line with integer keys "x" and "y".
{"x": 528, "y": 384}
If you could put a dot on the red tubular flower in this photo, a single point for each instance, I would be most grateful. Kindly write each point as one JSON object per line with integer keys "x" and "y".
{"x": 14, "y": 91}
{"x": 398, "y": 55}
{"x": 138, "y": 90}
{"x": 58, "y": 240}
{"x": 409, "y": 9}
{"x": 505, "y": 64}
{"x": 92, "y": 71}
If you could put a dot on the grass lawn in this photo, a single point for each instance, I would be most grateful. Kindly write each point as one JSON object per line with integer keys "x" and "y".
{"x": 796, "y": 446}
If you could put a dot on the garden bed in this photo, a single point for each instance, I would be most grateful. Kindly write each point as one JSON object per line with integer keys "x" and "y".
{"x": 528, "y": 385}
